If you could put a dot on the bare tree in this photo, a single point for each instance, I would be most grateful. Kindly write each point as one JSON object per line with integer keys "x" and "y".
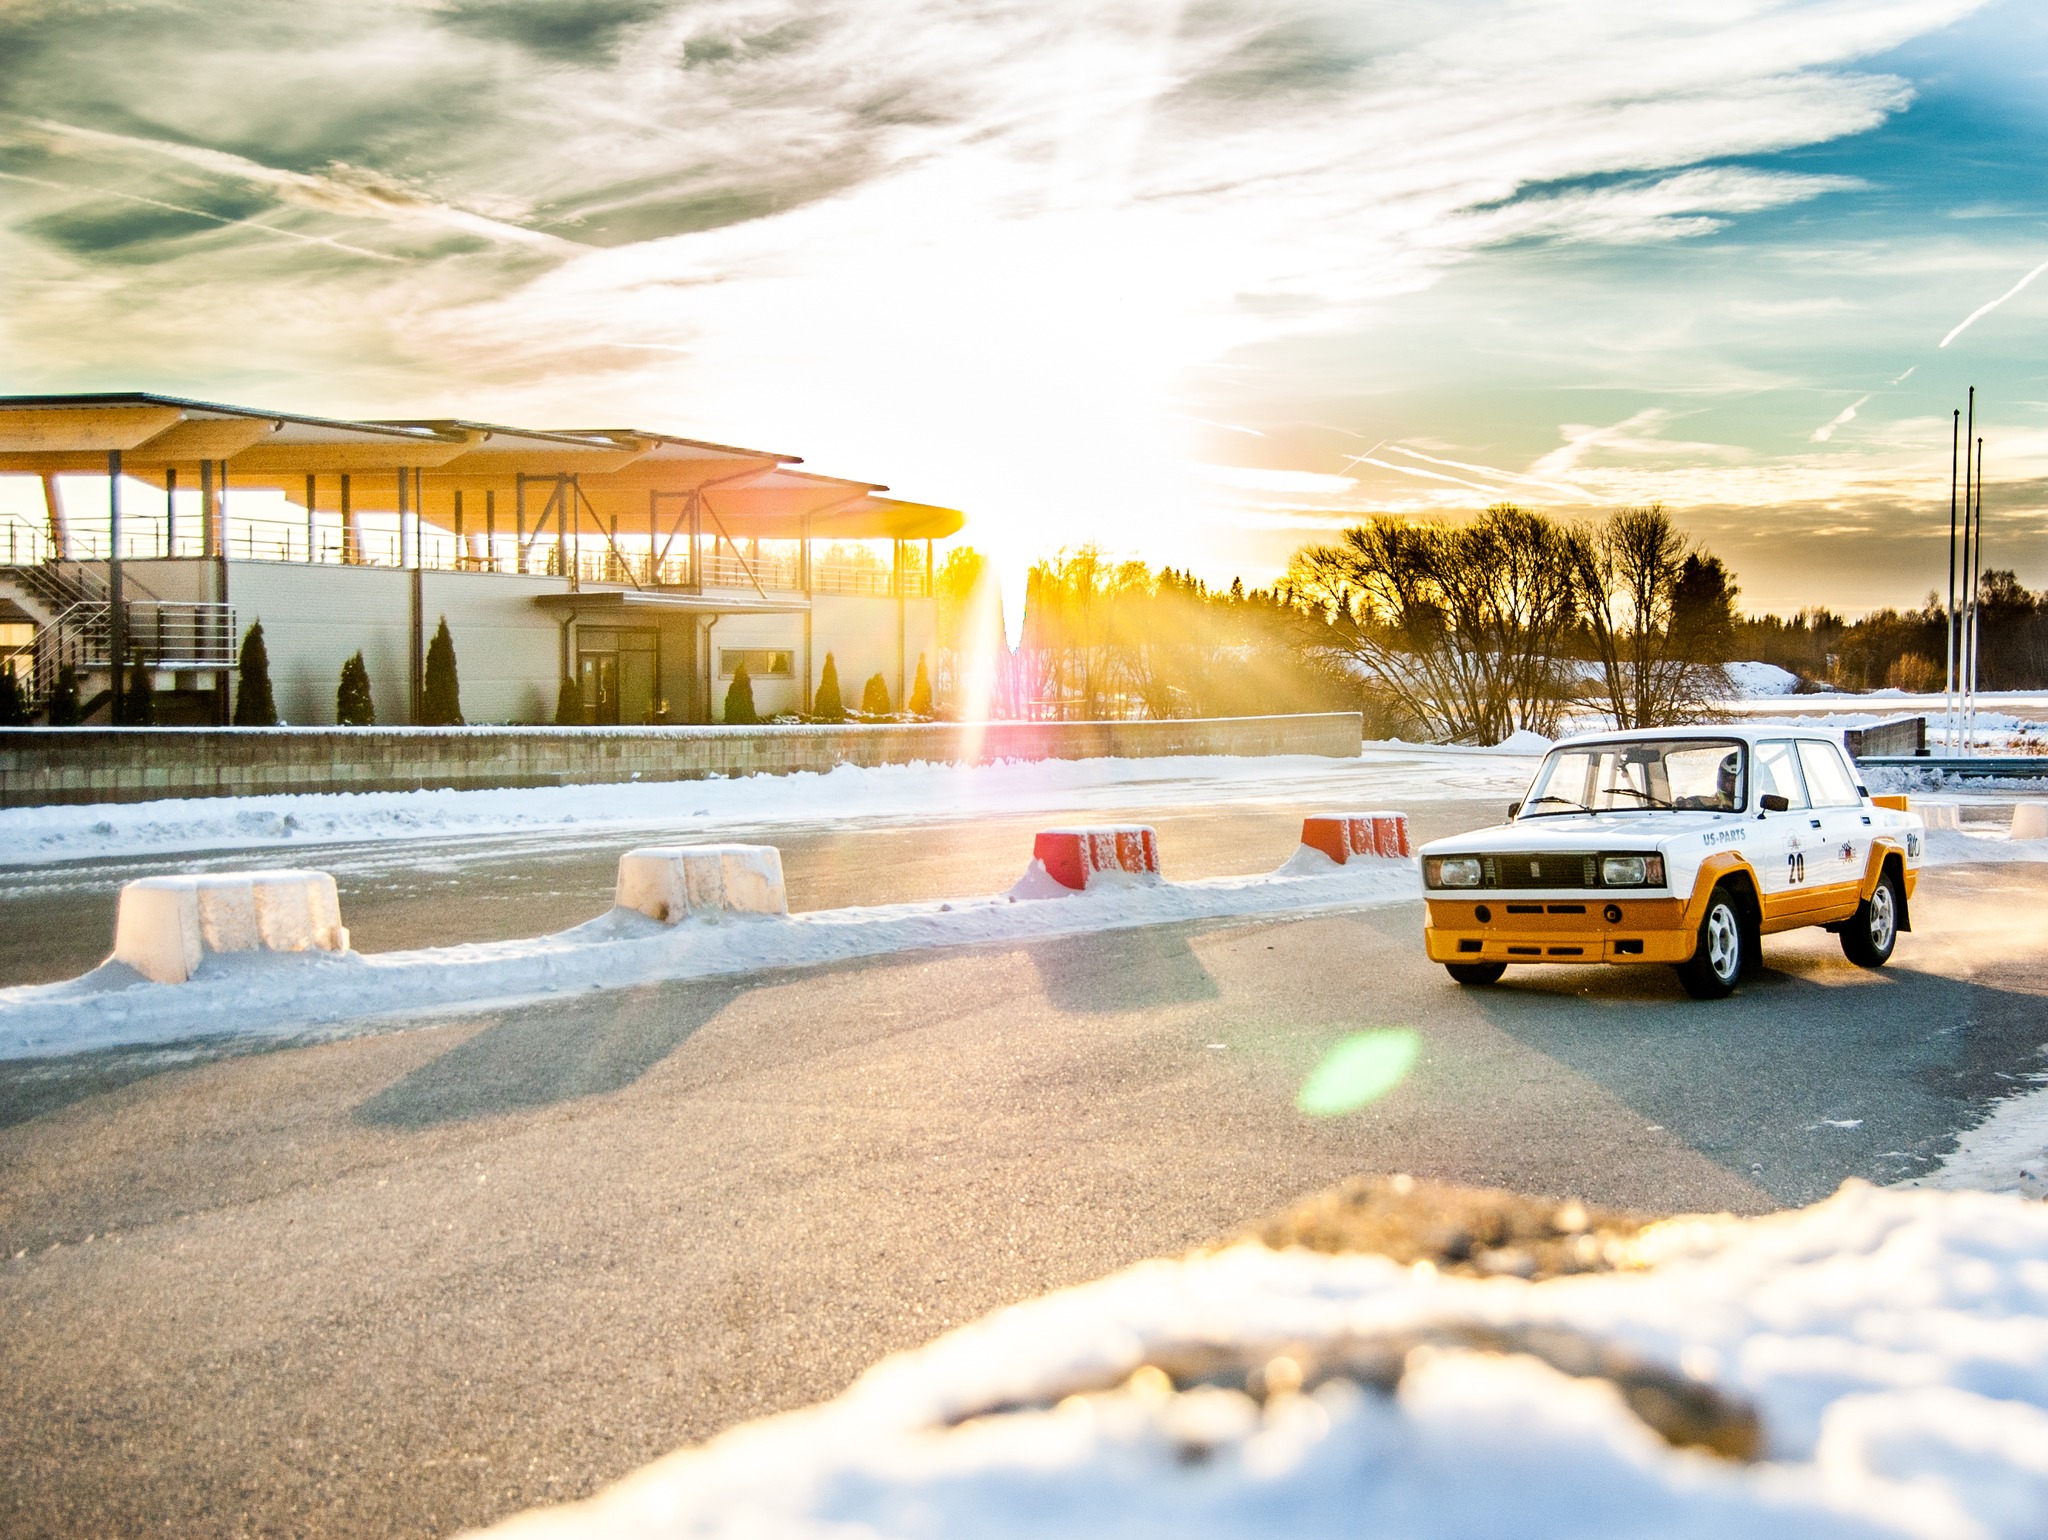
{"x": 1463, "y": 626}
{"x": 1659, "y": 614}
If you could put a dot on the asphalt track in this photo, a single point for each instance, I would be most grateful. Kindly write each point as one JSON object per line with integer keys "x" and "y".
{"x": 404, "y": 1282}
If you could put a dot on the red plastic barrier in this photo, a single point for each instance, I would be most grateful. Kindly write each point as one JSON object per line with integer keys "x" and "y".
{"x": 1344, "y": 837}
{"x": 1072, "y": 856}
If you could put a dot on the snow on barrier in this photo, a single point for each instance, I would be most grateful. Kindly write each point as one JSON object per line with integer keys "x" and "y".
{"x": 1076, "y": 858}
{"x": 1345, "y": 837}
{"x": 165, "y": 926}
{"x": 675, "y": 882}
{"x": 2029, "y": 821}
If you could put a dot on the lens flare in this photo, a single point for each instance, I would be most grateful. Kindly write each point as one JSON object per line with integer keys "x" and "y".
{"x": 1359, "y": 1071}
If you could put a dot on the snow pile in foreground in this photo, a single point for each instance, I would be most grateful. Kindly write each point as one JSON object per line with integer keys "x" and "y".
{"x": 294, "y": 994}
{"x": 1753, "y": 679}
{"x": 1892, "y": 1348}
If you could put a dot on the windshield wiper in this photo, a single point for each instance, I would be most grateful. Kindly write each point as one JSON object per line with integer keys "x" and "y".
{"x": 1648, "y": 799}
{"x": 1576, "y": 807}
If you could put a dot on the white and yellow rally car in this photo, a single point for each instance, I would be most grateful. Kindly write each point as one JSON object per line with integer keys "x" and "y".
{"x": 1679, "y": 845}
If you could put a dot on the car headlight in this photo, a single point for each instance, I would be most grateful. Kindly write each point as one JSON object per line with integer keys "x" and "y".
{"x": 1631, "y": 871}
{"x": 1452, "y": 871}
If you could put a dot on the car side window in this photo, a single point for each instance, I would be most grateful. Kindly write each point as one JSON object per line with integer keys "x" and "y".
{"x": 1827, "y": 778}
{"x": 1777, "y": 771}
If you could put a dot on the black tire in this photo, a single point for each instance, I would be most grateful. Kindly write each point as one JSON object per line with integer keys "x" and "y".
{"x": 1869, "y": 935}
{"x": 1476, "y": 973}
{"x": 1722, "y": 953}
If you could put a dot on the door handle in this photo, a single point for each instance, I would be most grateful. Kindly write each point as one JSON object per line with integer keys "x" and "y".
{"x": 1814, "y": 821}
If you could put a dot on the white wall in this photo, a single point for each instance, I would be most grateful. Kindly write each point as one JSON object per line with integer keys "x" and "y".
{"x": 507, "y": 648}
{"x": 313, "y": 618}
{"x": 771, "y": 696}
{"x": 861, "y": 634}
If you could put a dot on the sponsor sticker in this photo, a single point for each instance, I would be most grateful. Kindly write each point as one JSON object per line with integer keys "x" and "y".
{"x": 1715, "y": 837}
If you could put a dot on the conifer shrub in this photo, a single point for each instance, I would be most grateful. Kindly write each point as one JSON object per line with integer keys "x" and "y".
{"x": 353, "y": 706}
{"x": 255, "y": 706}
{"x": 61, "y": 710}
{"x": 138, "y": 701}
{"x": 920, "y": 703}
{"x": 569, "y": 703}
{"x": 874, "y": 699}
{"x": 13, "y": 703}
{"x": 441, "y": 691}
{"x": 827, "y": 705}
{"x": 739, "y": 700}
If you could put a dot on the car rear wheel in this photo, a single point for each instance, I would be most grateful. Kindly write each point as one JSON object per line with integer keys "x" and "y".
{"x": 1476, "y": 973}
{"x": 1872, "y": 932}
{"x": 1716, "y": 964}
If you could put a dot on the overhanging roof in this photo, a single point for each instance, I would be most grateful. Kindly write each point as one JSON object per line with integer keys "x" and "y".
{"x": 644, "y": 602}
{"x": 627, "y": 478}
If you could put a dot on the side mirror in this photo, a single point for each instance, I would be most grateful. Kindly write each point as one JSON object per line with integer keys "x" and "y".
{"x": 1514, "y": 809}
{"x": 1771, "y": 802}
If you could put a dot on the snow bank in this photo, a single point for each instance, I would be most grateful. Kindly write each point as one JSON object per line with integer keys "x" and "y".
{"x": 1523, "y": 741}
{"x": 1893, "y": 1348}
{"x": 1754, "y": 679}
{"x": 270, "y": 995}
{"x": 923, "y": 793}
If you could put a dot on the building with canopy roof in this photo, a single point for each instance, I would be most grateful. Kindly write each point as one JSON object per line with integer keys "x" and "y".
{"x": 643, "y": 566}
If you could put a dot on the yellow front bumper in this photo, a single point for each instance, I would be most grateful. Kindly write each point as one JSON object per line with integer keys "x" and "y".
{"x": 1649, "y": 930}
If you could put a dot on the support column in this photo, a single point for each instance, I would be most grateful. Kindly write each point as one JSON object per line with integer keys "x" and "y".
{"x": 519, "y": 530}
{"x": 902, "y": 629}
{"x": 117, "y": 610}
{"x": 491, "y": 529}
{"x": 351, "y": 537}
{"x": 312, "y": 550}
{"x": 170, "y": 510}
{"x": 696, "y": 574}
{"x": 653, "y": 537}
{"x": 404, "y": 495}
{"x": 221, "y": 713}
{"x": 460, "y": 554}
{"x": 206, "y": 509}
{"x": 569, "y": 505}
{"x": 59, "y": 526}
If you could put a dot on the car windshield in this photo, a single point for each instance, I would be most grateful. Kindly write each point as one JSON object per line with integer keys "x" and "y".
{"x": 1689, "y": 774}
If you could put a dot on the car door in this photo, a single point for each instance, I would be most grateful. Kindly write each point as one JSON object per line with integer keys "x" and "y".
{"x": 1835, "y": 869}
{"x": 1785, "y": 840}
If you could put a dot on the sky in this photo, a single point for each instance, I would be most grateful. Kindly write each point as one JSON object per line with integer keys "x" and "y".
{"x": 1199, "y": 281}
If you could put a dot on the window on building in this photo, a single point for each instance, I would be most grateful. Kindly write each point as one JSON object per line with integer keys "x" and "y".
{"x": 762, "y": 662}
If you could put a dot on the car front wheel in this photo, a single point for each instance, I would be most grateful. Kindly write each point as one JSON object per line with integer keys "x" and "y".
{"x": 1716, "y": 964}
{"x": 1476, "y": 973}
{"x": 1870, "y": 935}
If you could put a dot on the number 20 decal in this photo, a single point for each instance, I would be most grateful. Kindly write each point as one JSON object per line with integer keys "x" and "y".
{"x": 1795, "y": 866}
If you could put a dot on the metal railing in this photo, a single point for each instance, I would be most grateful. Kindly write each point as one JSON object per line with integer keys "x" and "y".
{"x": 168, "y": 635}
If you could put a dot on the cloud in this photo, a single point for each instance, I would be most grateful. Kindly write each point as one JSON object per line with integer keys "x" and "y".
{"x": 986, "y": 253}
{"x": 1845, "y": 416}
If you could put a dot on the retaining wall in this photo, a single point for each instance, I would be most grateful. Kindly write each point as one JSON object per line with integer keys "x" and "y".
{"x": 41, "y": 765}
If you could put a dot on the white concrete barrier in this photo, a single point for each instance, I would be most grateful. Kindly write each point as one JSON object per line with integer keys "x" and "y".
{"x": 164, "y": 927}
{"x": 2029, "y": 821}
{"x": 674, "y": 882}
{"x": 1938, "y": 815}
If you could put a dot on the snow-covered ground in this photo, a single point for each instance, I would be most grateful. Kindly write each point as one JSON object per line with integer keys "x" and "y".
{"x": 1385, "y": 775}
{"x": 311, "y": 994}
{"x": 1761, "y": 679}
{"x": 1892, "y": 1347}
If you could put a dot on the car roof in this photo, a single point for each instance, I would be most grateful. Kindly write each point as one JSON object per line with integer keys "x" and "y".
{"x": 1750, "y": 733}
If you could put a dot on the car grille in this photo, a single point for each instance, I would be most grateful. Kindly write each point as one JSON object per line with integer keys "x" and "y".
{"x": 1555, "y": 869}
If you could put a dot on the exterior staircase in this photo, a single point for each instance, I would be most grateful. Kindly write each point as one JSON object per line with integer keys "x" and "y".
{"x": 72, "y": 609}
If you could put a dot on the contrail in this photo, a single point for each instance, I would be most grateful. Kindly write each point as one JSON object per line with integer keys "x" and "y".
{"x": 1984, "y": 310}
{"x": 219, "y": 219}
{"x": 1847, "y": 414}
{"x": 1410, "y": 470}
{"x": 1490, "y": 470}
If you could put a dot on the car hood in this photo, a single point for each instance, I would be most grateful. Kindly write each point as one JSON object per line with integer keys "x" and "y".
{"x": 1580, "y": 831}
